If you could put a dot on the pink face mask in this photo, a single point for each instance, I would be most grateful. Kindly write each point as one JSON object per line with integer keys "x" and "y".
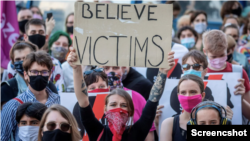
{"x": 217, "y": 62}
{"x": 36, "y": 16}
{"x": 189, "y": 102}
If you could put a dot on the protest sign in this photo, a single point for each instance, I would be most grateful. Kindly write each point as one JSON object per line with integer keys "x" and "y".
{"x": 123, "y": 34}
{"x": 174, "y": 73}
{"x": 216, "y": 90}
{"x": 232, "y": 80}
{"x": 97, "y": 101}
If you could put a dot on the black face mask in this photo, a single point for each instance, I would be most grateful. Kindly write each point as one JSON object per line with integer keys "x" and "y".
{"x": 38, "y": 82}
{"x": 38, "y": 40}
{"x": 19, "y": 67}
{"x": 70, "y": 29}
{"x": 237, "y": 11}
{"x": 230, "y": 58}
{"x": 22, "y": 25}
{"x": 56, "y": 135}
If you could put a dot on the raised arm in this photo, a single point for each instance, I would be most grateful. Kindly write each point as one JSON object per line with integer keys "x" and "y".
{"x": 143, "y": 125}
{"x": 79, "y": 83}
{"x": 158, "y": 87}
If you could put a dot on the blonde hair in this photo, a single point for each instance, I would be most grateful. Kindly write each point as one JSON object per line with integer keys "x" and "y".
{"x": 214, "y": 41}
{"x": 184, "y": 18}
{"x": 65, "y": 113}
{"x": 230, "y": 42}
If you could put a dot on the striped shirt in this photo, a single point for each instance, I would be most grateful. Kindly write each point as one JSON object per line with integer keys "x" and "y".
{"x": 8, "y": 114}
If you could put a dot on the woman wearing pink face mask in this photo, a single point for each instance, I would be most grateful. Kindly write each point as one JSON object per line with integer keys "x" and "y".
{"x": 190, "y": 93}
{"x": 118, "y": 108}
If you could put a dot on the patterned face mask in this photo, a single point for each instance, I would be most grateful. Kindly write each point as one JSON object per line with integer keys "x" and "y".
{"x": 117, "y": 119}
{"x": 59, "y": 53}
{"x": 114, "y": 81}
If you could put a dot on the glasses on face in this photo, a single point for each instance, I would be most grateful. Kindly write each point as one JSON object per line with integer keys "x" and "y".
{"x": 90, "y": 71}
{"x": 63, "y": 126}
{"x": 196, "y": 67}
{"x": 43, "y": 73}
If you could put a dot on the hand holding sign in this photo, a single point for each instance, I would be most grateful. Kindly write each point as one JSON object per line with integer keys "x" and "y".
{"x": 240, "y": 87}
{"x": 171, "y": 63}
{"x": 157, "y": 116}
{"x": 230, "y": 112}
{"x": 72, "y": 58}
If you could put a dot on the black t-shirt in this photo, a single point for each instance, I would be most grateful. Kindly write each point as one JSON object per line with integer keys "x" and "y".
{"x": 143, "y": 86}
{"x": 138, "y": 131}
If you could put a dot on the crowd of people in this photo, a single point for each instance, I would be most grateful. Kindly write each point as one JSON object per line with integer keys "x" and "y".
{"x": 42, "y": 65}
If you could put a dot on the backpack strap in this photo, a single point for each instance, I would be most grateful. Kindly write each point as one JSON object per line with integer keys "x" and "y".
{"x": 19, "y": 100}
{"x": 237, "y": 68}
{"x": 12, "y": 83}
{"x": 100, "y": 135}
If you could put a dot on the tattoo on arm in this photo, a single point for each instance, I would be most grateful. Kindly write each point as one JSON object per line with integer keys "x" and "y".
{"x": 158, "y": 88}
{"x": 84, "y": 88}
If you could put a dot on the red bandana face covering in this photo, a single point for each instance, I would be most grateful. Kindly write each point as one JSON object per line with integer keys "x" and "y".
{"x": 117, "y": 119}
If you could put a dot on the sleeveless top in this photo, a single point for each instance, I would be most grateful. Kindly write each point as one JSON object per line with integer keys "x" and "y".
{"x": 178, "y": 134}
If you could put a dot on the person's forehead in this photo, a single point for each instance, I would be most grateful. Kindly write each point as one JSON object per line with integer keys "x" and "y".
{"x": 62, "y": 39}
{"x": 99, "y": 82}
{"x": 209, "y": 113}
{"x": 231, "y": 30}
{"x": 55, "y": 116}
{"x": 218, "y": 53}
{"x": 186, "y": 32}
{"x": 36, "y": 27}
{"x": 116, "y": 98}
{"x": 191, "y": 60}
{"x": 71, "y": 18}
{"x": 201, "y": 16}
{"x": 36, "y": 66}
{"x": 25, "y": 12}
{"x": 22, "y": 52}
{"x": 231, "y": 20}
{"x": 27, "y": 118}
{"x": 34, "y": 9}
{"x": 189, "y": 85}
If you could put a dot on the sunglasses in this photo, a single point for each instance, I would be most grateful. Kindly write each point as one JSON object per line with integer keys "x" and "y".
{"x": 63, "y": 126}
{"x": 196, "y": 67}
{"x": 90, "y": 71}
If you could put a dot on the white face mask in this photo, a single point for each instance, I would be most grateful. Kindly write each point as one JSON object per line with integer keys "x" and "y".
{"x": 28, "y": 133}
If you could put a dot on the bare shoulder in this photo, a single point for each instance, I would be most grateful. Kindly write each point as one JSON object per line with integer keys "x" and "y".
{"x": 168, "y": 122}
{"x": 166, "y": 129}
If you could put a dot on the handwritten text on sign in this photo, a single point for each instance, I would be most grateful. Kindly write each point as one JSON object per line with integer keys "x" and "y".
{"x": 123, "y": 34}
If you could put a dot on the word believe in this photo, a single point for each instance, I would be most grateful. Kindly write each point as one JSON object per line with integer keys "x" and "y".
{"x": 88, "y": 14}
